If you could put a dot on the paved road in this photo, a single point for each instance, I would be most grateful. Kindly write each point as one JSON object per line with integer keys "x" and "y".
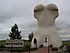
{"x": 40, "y": 50}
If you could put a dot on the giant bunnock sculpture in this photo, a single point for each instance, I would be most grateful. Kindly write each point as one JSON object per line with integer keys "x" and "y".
{"x": 46, "y": 16}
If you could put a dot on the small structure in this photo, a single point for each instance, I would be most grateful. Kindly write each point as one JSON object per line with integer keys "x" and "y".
{"x": 14, "y": 43}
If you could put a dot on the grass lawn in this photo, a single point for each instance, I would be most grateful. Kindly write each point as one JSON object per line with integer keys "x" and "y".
{"x": 27, "y": 43}
{"x": 26, "y": 47}
{"x": 66, "y": 43}
{"x": 2, "y": 42}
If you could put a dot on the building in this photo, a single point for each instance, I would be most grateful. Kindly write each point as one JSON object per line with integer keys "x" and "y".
{"x": 14, "y": 43}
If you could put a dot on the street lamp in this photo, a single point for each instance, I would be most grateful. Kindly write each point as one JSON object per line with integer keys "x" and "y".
{"x": 48, "y": 49}
{"x": 29, "y": 49}
{"x": 11, "y": 48}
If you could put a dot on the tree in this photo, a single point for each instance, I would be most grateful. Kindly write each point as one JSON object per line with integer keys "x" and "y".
{"x": 35, "y": 42}
{"x": 30, "y": 36}
{"x": 15, "y": 33}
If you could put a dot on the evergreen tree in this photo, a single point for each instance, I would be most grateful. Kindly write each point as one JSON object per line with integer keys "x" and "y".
{"x": 30, "y": 36}
{"x": 15, "y": 33}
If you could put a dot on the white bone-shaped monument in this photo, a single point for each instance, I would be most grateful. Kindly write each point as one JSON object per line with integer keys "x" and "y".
{"x": 46, "y": 29}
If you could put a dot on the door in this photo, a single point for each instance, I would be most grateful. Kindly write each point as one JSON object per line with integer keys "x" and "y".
{"x": 46, "y": 42}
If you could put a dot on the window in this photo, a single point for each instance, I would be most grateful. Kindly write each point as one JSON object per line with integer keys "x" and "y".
{"x": 21, "y": 43}
{"x": 45, "y": 39}
{"x": 7, "y": 43}
{"x": 16, "y": 43}
{"x": 11, "y": 43}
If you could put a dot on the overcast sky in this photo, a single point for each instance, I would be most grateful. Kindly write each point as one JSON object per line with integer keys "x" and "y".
{"x": 21, "y": 13}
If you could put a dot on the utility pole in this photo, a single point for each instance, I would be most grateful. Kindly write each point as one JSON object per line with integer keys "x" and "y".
{"x": 11, "y": 48}
{"x": 48, "y": 49}
{"x": 29, "y": 49}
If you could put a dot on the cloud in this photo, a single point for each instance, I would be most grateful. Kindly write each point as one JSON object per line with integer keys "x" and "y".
{"x": 21, "y": 12}
{"x": 15, "y": 11}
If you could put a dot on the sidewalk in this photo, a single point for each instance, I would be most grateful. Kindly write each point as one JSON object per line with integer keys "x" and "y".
{"x": 41, "y": 50}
